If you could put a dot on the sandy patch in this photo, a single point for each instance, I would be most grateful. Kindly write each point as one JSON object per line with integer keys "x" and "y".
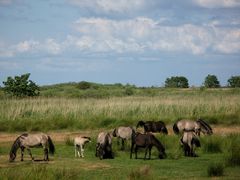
{"x": 61, "y": 136}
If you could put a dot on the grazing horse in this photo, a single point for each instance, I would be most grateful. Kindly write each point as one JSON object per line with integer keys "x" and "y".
{"x": 29, "y": 141}
{"x": 190, "y": 125}
{"x": 104, "y": 146}
{"x": 123, "y": 133}
{"x": 189, "y": 140}
{"x": 147, "y": 141}
{"x": 152, "y": 126}
{"x": 79, "y": 143}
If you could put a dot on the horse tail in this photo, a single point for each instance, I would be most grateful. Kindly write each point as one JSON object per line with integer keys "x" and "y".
{"x": 196, "y": 142}
{"x": 205, "y": 125}
{"x": 114, "y": 133}
{"x": 175, "y": 128}
{"x": 51, "y": 145}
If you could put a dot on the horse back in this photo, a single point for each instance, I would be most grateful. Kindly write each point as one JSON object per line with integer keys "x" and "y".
{"x": 33, "y": 140}
{"x": 124, "y": 132}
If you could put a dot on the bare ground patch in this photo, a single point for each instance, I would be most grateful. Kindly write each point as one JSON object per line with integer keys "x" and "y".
{"x": 61, "y": 136}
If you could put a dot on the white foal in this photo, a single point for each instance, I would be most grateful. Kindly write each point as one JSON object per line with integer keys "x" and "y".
{"x": 79, "y": 143}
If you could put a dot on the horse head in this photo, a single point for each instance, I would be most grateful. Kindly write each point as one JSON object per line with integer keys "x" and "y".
{"x": 140, "y": 123}
{"x": 12, "y": 156}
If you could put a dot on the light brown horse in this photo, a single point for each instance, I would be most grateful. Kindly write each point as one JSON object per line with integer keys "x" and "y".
{"x": 190, "y": 125}
{"x": 30, "y": 141}
{"x": 189, "y": 141}
{"x": 124, "y": 133}
{"x": 104, "y": 146}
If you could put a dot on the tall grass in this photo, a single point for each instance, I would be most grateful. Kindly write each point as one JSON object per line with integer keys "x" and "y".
{"x": 66, "y": 113}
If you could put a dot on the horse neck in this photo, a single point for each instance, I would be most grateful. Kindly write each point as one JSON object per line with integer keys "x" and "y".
{"x": 204, "y": 125}
{"x": 157, "y": 144}
{"x": 15, "y": 146}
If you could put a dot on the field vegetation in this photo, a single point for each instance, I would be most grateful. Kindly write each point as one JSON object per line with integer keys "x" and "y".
{"x": 90, "y": 108}
{"x": 220, "y": 106}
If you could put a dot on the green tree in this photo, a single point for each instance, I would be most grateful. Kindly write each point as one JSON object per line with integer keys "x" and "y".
{"x": 20, "y": 86}
{"x": 211, "y": 81}
{"x": 177, "y": 82}
{"x": 234, "y": 81}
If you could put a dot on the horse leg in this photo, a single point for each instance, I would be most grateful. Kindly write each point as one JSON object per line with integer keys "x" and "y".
{"x": 131, "y": 151}
{"x": 97, "y": 150}
{"x": 185, "y": 147}
{"x": 75, "y": 149}
{"x": 30, "y": 153}
{"x": 78, "y": 151}
{"x": 22, "y": 152}
{"x": 150, "y": 149}
{"x": 46, "y": 154}
{"x": 136, "y": 152}
{"x": 122, "y": 148}
{"x": 81, "y": 150}
{"x": 146, "y": 150}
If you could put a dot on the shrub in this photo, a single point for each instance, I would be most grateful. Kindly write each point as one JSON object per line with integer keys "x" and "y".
{"x": 84, "y": 85}
{"x": 215, "y": 169}
{"x": 143, "y": 172}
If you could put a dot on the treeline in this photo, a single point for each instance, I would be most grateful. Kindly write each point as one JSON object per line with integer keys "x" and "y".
{"x": 21, "y": 86}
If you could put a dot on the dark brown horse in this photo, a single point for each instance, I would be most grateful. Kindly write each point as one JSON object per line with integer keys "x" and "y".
{"x": 153, "y": 126}
{"x": 147, "y": 141}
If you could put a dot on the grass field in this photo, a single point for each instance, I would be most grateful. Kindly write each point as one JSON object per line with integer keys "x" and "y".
{"x": 65, "y": 166}
{"x": 62, "y": 116}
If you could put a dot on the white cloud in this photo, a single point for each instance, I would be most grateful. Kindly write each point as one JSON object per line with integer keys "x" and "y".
{"x": 144, "y": 33}
{"x": 218, "y": 3}
{"x": 138, "y": 35}
{"x": 229, "y": 43}
{"x": 27, "y": 46}
{"x": 52, "y": 46}
{"x": 110, "y": 6}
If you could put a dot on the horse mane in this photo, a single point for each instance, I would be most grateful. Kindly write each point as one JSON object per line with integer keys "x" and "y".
{"x": 86, "y": 137}
{"x": 205, "y": 125}
{"x": 17, "y": 144}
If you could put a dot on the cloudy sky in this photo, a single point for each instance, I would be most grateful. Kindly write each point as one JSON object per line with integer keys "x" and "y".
{"x": 140, "y": 42}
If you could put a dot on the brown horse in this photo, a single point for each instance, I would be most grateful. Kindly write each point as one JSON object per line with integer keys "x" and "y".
{"x": 147, "y": 141}
{"x": 153, "y": 126}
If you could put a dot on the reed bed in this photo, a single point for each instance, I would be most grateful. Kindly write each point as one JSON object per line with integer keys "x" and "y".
{"x": 77, "y": 113}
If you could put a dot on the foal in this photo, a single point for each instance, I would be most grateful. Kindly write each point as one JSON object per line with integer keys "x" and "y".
{"x": 79, "y": 143}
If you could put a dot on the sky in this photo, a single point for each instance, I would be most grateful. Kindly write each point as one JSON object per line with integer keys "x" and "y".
{"x": 139, "y": 42}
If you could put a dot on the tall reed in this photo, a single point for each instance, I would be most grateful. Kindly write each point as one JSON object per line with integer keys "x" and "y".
{"x": 67, "y": 113}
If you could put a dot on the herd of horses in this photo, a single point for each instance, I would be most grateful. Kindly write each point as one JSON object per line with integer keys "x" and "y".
{"x": 189, "y": 131}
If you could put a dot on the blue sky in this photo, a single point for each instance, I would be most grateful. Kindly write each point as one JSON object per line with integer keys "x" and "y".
{"x": 140, "y": 42}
